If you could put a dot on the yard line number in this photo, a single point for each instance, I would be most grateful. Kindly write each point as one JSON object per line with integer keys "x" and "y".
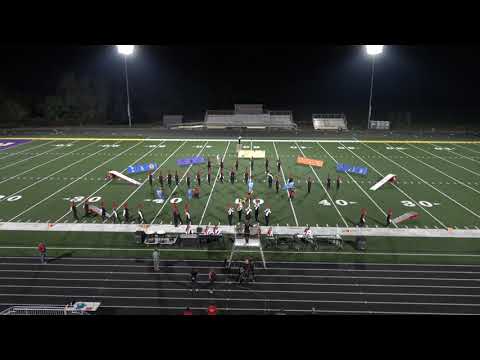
{"x": 11, "y": 198}
{"x": 339, "y": 202}
{"x": 421, "y": 202}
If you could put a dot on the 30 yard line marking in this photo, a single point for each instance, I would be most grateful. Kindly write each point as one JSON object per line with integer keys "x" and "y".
{"x": 350, "y": 176}
{"x": 45, "y": 163}
{"x": 400, "y": 190}
{"x": 214, "y": 183}
{"x": 176, "y": 186}
{"x": 425, "y": 182}
{"x": 28, "y": 149}
{"x": 29, "y": 158}
{"x": 285, "y": 182}
{"x": 73, "y": 182}
{"x": 159, "y": 167}
{"x": 444, "y": 159}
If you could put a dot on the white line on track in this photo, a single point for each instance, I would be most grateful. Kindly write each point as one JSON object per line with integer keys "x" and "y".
{"x": 425, "y": 182}
{"x": 45, "y": 163}
{"x": 74, "y": 181}
{"x": 176, "y": 186}
{"x": 366, "y": 194}
{"x": 214, "y": 183}
{"x": 145, "y": 181}
{"x": 15, "y": 163}
{"x": 190, "y": 298}
{"x": 28, "y": 149}
{"x": 441, "y": 172}
{"x": 104, "y": 185}
{"x": 285, "y": 182}
{"x": 401, "y": 191}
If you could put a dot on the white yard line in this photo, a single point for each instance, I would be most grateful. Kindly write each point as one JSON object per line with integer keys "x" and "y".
{"x": 145, "y": 181}
{"x": 441, "y": 158}
{"x": 425, "y": 182}
{"x": 356, "y": 183}
{"x": 323, "y": 187}
{"x": 285, "y": 182}
{"x": 15, "y": 163}
{"x": 104, "y": 185}
{"x": 440, "y": 171}
{"x": 467, "y": 148}
{"x": 56, "y": 172}
{"x": 401, "y": 191}
{"x": 45, "y": 163}
{"x": 463, "y": 156}
{"x": 176, "y": 186}
{"x": 28, "y": 149}
{"x": 213, "y": 187}
{"x": 73, "y": 182}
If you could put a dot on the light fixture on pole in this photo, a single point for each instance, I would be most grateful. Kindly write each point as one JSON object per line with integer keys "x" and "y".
{"x": 127, "y": 50}
{"x": 373, "y": 51}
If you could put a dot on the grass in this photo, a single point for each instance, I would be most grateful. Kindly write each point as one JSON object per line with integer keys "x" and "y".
{"x": 35, "y": 185}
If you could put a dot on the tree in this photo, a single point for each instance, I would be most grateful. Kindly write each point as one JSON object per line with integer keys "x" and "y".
{"x": 13, "y": 111}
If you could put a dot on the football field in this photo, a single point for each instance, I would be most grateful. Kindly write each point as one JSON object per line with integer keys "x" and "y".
{"x": 438, "y": 180}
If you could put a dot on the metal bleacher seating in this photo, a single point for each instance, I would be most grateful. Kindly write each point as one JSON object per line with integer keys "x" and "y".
{"x": 329, "y": 122}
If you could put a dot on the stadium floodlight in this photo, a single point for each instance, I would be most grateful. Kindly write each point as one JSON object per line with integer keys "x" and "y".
{"x": 373, "y": 51}
{"x": 127, "y": 50}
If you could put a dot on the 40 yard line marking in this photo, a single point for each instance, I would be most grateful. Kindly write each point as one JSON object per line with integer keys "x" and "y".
{"x": 324, "y": 189}
{"x": 350, "y": 176}
{"x": 400, "y": 190}
{"x": 73, "y": 182}
{"x": 28, "y": 149}
{"x": 108, "y": 182}
{"x": 176, "y": 186}
{"x": 213, "y": 187}
{"x": 285, "y": 182}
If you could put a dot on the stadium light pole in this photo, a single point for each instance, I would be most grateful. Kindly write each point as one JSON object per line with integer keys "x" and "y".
{"x": 127, "y": 50}
{"x": 373, "y": 51}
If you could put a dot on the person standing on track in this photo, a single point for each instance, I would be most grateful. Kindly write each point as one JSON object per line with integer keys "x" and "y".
{"x": 193, "y": 277}
{"x": 212, "y": 276}
{"x": 73, "y": 206}
{"x": 156, "y": 260}
{"x": 42, "y": 249}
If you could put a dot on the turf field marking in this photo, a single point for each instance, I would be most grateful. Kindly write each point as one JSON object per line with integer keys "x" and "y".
{"x": 28, "y": 149}
{"x": 213, "y": 187}
{"x": 45, "y": 163}
{"x": 467, "y": 148}
{"x": 285, "y": 182}
{"x": 401, "y": 191}
{"x": 464, "y": 156}
{"x": 153, "y": 173}
{"x": 56, "y": 172}
{"x": 176, "y": 186}
{"x": 26, "y": 159}
{"x": 73, "y": 182}
{"x": 104, "y": 185}
{"x": 323, "y": 187}
{"x": 425, "y": 182}
{"x": 355, "y": 182}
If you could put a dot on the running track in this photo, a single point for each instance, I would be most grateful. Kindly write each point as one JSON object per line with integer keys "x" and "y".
{"x": 129, "y": 286}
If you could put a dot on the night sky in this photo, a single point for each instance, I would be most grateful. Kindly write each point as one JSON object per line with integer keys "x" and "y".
{"x": 426, "y": 80}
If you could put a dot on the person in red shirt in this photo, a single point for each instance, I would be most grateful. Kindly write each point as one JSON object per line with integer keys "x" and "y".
{"x": 212, "y": 310}
{"x": 187, "y": 312}
{"x": 42, "y": 249}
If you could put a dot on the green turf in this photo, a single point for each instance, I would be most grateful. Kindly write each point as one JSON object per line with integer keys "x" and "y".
{"x": 45, "y": 173}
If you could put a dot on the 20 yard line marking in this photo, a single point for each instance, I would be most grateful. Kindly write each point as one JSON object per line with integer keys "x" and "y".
{"x": 350, "y": 176}
{"x": 425, "y": 182}
{"x": 73, "y": 182}
{"x": 214, "y": 183}
{"x": 400, "y": 190}
{"x": 176, "y": 186}
{"x": 285, "y": 182}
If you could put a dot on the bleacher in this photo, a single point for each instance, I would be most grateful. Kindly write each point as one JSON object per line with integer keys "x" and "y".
{"x": 329, "y": 122}
{"x": 250, "y": 117}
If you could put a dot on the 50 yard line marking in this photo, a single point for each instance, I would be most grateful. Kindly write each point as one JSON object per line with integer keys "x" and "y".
{"x": 350, "y": 176}
{"x": 108, "y": 182}
{"x": 285, "y": 182}
{"x": 323, "y": 187}
{"x": 73, "y": 182}
{"x": 400, "y": 190}
{"x": 433, "y": 187}
{"x": 45, "y": 163}
{"x": 176, "y": 186}
{"x": 28, "y": 149}
{"x": 213, "y": 187}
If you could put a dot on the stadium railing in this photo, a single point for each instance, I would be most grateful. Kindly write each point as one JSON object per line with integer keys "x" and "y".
{"x": 42, "y": 310}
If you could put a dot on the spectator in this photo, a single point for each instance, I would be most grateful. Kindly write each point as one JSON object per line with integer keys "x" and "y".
{"x": 194, "y": 275}
{"x": 212, "y": 310}
{"x": 42, "y": 249}
{"x": 212, "y": 276}
{"x": 187, "y": 312}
